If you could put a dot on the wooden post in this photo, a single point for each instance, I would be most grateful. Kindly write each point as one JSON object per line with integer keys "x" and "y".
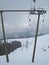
{"x": 4, "y": 37}
{"x": 36, "y": 38}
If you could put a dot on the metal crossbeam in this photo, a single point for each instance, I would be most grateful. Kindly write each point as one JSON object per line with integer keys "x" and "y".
{"x": 33, "y": 11}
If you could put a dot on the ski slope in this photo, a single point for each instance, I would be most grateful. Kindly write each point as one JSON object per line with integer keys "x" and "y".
{"x": 23, "y": 56}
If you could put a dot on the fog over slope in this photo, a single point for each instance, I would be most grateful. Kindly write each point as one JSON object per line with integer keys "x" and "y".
{"x": 15, "y": 23}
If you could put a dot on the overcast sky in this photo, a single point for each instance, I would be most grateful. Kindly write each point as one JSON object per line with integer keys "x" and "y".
{"x": 18, "y": 21}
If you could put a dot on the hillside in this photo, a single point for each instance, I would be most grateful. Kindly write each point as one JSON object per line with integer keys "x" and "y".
{"x": 19, "y": 57}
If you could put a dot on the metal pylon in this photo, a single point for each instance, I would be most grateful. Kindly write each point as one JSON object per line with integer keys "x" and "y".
{"x": 4, "y": 38}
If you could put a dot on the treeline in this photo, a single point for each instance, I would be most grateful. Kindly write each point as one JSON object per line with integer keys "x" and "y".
{"x": 10, "y": 47}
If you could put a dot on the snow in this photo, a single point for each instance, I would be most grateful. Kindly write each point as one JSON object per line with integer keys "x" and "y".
{"x": 24, "y": 57}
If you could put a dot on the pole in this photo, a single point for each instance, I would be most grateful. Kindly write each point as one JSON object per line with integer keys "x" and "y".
{"x": 36, "y": 38}
{"x": 4, "y": 37}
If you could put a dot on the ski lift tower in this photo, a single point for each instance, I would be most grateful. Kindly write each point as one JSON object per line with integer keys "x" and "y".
{"x": 38, "y": 12}
{"x": 33, "y": 11}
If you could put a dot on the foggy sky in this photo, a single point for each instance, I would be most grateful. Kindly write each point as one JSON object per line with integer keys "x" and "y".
{"x": 18, "y": 21}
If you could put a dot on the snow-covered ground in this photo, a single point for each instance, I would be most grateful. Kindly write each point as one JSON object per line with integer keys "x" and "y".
{"x": 23, "y": 56}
